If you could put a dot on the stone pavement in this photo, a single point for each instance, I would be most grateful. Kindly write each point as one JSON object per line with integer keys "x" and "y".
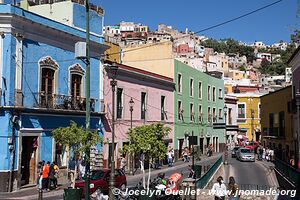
{"x": 32, "y": 192}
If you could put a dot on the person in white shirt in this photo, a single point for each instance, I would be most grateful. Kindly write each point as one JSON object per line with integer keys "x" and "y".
{"x": 170, "y": 157}
{"x": 219, "y": 189}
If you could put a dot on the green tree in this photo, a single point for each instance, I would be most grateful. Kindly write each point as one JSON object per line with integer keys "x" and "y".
{"x": 147, "y": 140}
{"x": 77, "y": 139}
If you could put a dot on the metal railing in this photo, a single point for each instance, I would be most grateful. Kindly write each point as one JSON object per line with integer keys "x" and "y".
{"x": 203, "y": 181}
{"x": 292, "y": 174}
{"x": 57, "y": 101}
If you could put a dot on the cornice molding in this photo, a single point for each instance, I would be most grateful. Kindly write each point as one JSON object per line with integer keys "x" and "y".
{"x": 16, "y": 25}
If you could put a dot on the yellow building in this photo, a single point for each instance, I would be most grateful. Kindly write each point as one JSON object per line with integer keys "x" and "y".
{"x": 237, "y": 75}
{"x": 248, "y": 116}
{"x": 276, "y": 122}
{"x": 156, "y": 58}
{"x": 113, "y": 53}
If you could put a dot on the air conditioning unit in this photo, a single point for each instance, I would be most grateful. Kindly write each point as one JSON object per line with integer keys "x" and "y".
{"x": 80, "y": 50}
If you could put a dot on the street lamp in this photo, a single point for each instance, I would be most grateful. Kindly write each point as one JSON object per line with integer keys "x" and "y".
{"x": 131, "y": 104}
{"x": 112, "y": 69}
{"x": 297, "y": 150}
{"x": 226, "y": 150}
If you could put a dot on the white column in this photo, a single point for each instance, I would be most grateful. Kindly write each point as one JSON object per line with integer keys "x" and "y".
{"x": 19, "y": 66}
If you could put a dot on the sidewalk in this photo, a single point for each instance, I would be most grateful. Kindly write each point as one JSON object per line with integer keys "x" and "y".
{"x": 32, "y": 193}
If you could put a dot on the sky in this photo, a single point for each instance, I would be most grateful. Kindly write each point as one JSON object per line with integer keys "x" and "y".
{"x": 269, "y": 25}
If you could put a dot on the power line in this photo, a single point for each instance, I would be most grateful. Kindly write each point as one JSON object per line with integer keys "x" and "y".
{"x": 205, "y": 29}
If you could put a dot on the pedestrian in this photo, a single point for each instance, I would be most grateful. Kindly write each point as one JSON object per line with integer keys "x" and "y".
{"x": 264, "y": 154}
{"x": 123, "y": 163}
{"x": 271, "y": 152}
{"x": 186, "y": 155}
{"x": 267, "y": 154}
{"x": 56, "y": 174}
{"x": 72, "y": 171}
{"x": 233, "y": 189}
{"x": 45, "y": 175}
{"x": 219, "y": 189}
{"x": 170, "y": 155}
{"x": 82, "y": 169}
{"x": 40, "y": 174}
{"x": 51, "y": 177}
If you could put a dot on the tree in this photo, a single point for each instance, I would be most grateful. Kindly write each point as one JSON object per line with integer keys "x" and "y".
{"x": 147, "y": 140}
{"x": 77, "y": 139}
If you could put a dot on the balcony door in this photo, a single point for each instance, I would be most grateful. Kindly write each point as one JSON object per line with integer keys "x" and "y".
{"x": 47, "y": 87}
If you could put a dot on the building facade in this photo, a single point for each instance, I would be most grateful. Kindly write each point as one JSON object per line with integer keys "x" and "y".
{"x": 152, "y": 95}
{"x": 249, "y": 113}
{"x": 231, "y": 120}
{"x": 198, "y": 108}
{"x": 277, "y": 123}
{"x": 42, "y": 88}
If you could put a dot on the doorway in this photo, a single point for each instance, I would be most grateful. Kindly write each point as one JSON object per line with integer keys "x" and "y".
{"x": 180, "y": 149}
{"x": 28, "y": 160}
{"x": 201, "y": 145}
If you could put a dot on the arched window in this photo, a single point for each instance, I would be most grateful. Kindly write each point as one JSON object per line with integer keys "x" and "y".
{"x": 48, "y": 68}
{"x": 76, "y": 80}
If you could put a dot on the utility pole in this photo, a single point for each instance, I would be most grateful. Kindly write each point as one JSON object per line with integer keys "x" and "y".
{"x": 87, "y": 96}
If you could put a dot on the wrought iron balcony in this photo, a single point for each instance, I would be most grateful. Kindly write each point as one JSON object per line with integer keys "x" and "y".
{"x": 64, "y": 102}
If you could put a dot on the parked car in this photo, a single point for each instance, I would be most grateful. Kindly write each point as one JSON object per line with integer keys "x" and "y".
{"x": 233, "y": 152}
{"x": 100, "y": 181}
{"x": 245, "y": 154}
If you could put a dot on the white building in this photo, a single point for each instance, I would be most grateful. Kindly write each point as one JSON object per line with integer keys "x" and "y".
{"x": 258, "y": 45}
{"x": 288, "y": 75}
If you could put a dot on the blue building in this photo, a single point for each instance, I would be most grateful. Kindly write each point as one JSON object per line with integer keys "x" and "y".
{"x": 42, "y": 87}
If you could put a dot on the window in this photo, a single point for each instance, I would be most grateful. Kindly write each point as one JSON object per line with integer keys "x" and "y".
{"x": 200, "y": 113}
{"x": 229, "y": 116}
{"x": 208, "y": 114}
{"x": 214, "y": 115}
{"x": 179, "y": 79}
{"x": 162, "y": 108}
{"x": 143, "y": 105}
{"x": 208, "y": 92}
{"x": 47, "y": 81}
{"x": 281, "y": 124}
{"x": 119, "y": 103}
{"x": 220, "y": 93}
{"x": 220, "y": 113}
{"x": 76, "y": 85}
{"x": 76, "y": 74}
{"x": 214, "y": 94}
{"x": 200, "y": 90}
{"x": 60, "y": 155}
{"x": 180, "y": 111}
{"x": 191, "y": 87}
{"x": 192, "y": 112}
{"x": 271, "y": 124}
{"x": 241, "y": 111}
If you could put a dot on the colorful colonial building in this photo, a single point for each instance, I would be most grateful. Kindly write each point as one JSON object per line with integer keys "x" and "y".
{"x": 42, "y": 88}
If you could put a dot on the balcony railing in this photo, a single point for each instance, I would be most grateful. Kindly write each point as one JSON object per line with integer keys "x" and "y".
{"x": 58, "y": 101}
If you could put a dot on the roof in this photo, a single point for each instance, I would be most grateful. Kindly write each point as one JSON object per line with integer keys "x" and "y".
{"x": 248, "y": 94}
{"x": 293, "y": 55}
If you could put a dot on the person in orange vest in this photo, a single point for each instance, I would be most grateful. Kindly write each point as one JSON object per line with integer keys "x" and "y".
{"x": 45, "y": 176}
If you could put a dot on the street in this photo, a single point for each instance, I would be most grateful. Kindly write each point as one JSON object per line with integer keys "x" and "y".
{"x": 247, "y": 174}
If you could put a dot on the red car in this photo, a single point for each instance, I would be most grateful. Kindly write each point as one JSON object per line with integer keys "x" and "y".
{"x": 252, "y": 146}
{"x": 100, "y": 181}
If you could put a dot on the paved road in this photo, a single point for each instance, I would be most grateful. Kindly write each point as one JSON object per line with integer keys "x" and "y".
{"x": 250, "y": 175}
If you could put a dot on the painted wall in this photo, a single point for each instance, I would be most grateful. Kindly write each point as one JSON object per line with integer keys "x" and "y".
{"x": 132, "y": 87}
{"x": 274, "y": 103}
{"x": 202, "y": 129}
{"x": 252, "y": 103}
{"x": 153, "y": 58}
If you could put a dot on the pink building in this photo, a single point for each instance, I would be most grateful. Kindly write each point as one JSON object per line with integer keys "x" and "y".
{"x": 153, "y": 102}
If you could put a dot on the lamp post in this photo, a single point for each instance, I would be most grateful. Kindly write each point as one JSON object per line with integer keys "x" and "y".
{"x": 226, "y": 149}
{"x": 297, "y": 149}
{"x": 113, "y": 68}
{"x": 131, "y": 104}
{"x": 252, "y": 127}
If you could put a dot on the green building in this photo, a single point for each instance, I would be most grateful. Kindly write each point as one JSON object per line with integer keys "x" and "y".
{"x": 198, "y": 108}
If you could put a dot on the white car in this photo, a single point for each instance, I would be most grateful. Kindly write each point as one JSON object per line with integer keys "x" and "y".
{"x": 245, "y": 154}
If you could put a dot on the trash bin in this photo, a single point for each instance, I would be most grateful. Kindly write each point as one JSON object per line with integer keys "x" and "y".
{"x": 189, "y": 189}
{"x": 197, "y": 169}
{"x": 72, "y": 194}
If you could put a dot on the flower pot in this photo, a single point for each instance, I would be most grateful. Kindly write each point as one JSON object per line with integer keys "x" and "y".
{"x": 72, "y": 194}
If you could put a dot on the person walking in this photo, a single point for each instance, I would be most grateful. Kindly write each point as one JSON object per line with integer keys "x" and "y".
{"x": 51, "y": 177}
{"x": 45, "y": 175}
{"x": 170, "y": 157}
{"x": 233, "y": 189}
{"x": 40, "y": 174}
{"x": 219, "y": 189}
{"x": 123, "y": 163}
{"x": 56, "y": 174}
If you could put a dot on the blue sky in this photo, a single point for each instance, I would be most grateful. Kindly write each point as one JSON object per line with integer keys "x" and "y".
{"x": 269, "y": 25}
